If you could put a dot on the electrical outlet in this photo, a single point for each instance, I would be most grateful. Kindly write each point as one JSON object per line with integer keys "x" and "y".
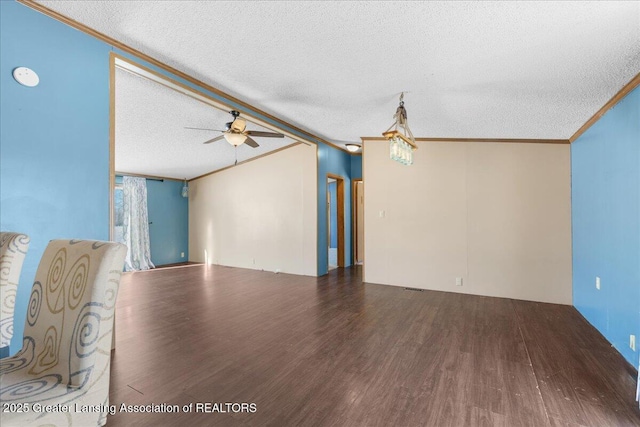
{"x": 181, "y": 254}
{"x": 597, "y": 283}
{"x": 632, "y": 342}
{"x": 253, "y": 261}
{"x": 458, "y": 281}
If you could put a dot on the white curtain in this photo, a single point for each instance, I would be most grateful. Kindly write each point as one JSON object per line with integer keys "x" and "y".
{"x": 136, "y": 224}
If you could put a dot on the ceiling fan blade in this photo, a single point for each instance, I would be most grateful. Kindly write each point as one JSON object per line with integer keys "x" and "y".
{"x": 217, "y": 138}
{"x": 251, "y": 143}
{"x": 264, "y": 134}
{"x": 216, "y": 130}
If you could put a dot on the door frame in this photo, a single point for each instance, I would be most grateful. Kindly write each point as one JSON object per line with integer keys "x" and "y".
{"x": 354, "y": 220}
{"x": 340, "y": 216}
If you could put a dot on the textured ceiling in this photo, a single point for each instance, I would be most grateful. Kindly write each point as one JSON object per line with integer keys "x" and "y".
{"x": 151, "y": 138}
{"x": 471, "y": 69}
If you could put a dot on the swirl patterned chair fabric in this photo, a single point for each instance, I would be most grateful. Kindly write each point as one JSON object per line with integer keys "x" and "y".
{"x": 65, "y": 358}
{"x": 13, "y": 248}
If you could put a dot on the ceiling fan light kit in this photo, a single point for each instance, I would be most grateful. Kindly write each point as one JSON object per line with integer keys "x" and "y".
{"x": 235, "y": 139}
{"x": 401, "y": 144}
{"x": 236, "y": 133}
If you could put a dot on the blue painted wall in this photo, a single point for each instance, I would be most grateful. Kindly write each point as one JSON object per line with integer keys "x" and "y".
{"x": 333, "y": 222}
{"x": 356, "y": 167}
{"x": 337, "y": 162}
{"x": 605, "y": 187}
{"x": 54, "y": 138}
{"x": 169, "y": 215}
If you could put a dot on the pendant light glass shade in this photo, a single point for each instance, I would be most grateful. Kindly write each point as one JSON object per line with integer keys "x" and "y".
{"x": 400, "y": 151}
{"x": 185, "y": 189}
{"x": 401, "y": 144}
{"x": 235, "y": 139}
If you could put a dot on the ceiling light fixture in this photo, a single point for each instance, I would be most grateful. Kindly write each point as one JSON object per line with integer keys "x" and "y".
{"x": 26, "y": 76}
{"x": 401, "y": 144}
{"x": 235, "y": 139}
{"x": 353, "y": 147}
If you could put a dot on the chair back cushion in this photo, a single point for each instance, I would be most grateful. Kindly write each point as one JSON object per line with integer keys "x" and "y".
{"x": 13, "y": 248}
{"x": 75, "y": 287}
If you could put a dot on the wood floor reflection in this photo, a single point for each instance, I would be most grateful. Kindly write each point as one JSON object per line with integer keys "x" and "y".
{"x": 333, "y": 351}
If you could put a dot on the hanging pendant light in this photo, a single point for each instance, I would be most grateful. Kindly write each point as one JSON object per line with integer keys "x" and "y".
{"x": 185, "y": 189}
{"x": 401, "y": 144}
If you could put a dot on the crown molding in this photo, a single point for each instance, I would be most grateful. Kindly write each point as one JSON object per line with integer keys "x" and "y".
{"x": 155, "y": 177}
{"x": 606, "y": 107}
{"x": 314, "y": 138}
{"x": 504, "y": 140}
{"x": 277, "y": 150}
{"x": 228, "y": 98}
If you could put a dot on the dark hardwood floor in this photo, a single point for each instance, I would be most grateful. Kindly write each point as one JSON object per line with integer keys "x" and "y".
{"x": 333, "y": 351}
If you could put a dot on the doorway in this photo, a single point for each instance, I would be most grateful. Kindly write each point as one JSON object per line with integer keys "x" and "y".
{"x": 358, "y": 221}
{"x": 335, "y": 221}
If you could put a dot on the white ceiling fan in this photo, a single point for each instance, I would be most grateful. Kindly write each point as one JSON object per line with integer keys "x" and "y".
{"x": 236, "y": 132}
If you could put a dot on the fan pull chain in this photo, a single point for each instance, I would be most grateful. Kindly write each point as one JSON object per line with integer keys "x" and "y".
{"x": 236, "y": 150}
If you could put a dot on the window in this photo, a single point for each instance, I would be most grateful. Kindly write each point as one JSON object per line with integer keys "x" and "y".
{"x": 118, "y": 215}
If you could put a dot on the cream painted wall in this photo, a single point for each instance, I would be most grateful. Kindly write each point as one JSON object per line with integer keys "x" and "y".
{"x": 496, "y": 214}
{"x": 264, "y": 210}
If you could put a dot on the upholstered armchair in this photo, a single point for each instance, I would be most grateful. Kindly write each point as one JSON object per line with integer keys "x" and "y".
{"x": 13, "y": 248}
{"x": 65, "y": 356}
